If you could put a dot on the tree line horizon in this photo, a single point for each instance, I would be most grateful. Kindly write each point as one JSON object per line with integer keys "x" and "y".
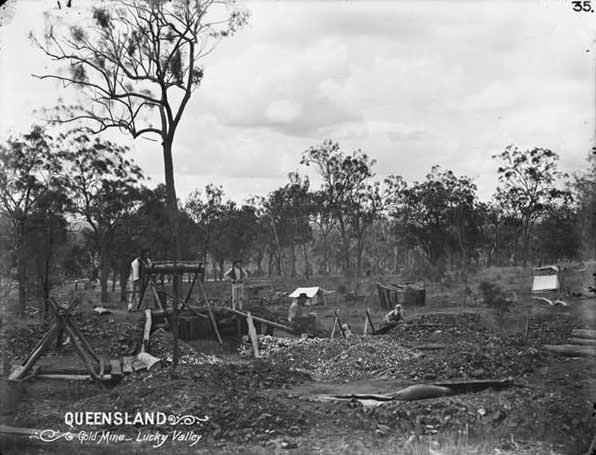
{"x": 352, "y": 225}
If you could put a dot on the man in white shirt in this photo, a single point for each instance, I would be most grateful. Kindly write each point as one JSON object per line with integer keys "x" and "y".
{"x": 135, "y": 280}
{"x": 236, "y": 275}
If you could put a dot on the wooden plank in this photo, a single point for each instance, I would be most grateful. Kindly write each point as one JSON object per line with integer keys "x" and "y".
{"x": 253, "y": 334}
{"x": 74, "y": 377}
{"x": 115, "y": 368}
{"x": 127, "y": 365}
{"x": 571, "y": 350}
{"x": 583, "y": 333}
{"x": 582, "y": 341}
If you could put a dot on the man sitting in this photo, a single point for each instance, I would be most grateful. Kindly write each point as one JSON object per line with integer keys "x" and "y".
{"x": 297, "y": 316}
{"x": 391, "y": 319}
{"x": 395, "y": 315}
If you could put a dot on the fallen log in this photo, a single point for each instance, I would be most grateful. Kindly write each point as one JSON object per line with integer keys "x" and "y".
{"x": 583, "y": 333}
{"x": 571, "y": 350}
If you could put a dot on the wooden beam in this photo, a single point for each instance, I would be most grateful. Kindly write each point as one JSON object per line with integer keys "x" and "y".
{"x": 210, "y": 312}
{"x": 582, "y": 341}
{"x": 343, "y": 333}
{"x": 583, "y": 333}
{"x": 571, "y": 350}
{"x": 21, "y": 371}
{"x": 334, "y": 326}
{"x": 264, "y": 321}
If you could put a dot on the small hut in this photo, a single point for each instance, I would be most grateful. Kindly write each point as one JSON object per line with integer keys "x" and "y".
{"x": 546, "y": 279}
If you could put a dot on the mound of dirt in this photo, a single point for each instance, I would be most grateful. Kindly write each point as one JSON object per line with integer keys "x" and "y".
{"x": 497, "y": 358}
{"x": 333, "y": 358}
{"x": 443, "y": 327}
{"x": 160, "y": 345}
{"x": 106, "y": 336}
{"x": 238, "y": 400}
{"x": 520, "y": 412}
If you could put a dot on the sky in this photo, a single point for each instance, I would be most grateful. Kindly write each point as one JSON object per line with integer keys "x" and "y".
{"x": 410, "y": 83}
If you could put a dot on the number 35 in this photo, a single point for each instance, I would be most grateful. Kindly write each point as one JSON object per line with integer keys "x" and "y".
{"x": 585, "y": 5}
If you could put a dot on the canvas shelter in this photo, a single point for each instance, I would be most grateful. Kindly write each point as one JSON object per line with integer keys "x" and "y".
{"x": 546, "y": 279}
{"x": 315, "y": 295}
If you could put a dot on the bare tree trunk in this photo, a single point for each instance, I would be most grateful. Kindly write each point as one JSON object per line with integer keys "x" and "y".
{"x": 21, "y": 269}
{"x": 270, "y": 264}
{"x": 103, "y": 271}
{"x": 172, "y": 206}
{"x": 306, "y": 264}
{"x": 345, "y": 249}
{"x": 292, "y": 260}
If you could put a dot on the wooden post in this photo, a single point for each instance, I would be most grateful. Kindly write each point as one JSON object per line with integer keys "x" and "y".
{"x": 372, "y": 327}
{"x": 343, "y": 333}
{"x": 527, "y": 329}
{"x": 210, "y": 311}
{"x": 334, "y": 325}
{"x": 147, "y": 331}
{"x": 253, "y": 334}
{"x": 365, "y": 324}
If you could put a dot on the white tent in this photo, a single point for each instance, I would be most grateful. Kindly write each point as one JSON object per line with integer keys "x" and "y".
{"x": 315, "y": 295}
{"x": 546, "y": 279}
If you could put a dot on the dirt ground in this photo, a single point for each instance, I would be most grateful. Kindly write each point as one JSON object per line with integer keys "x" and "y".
{"x": 274, "y": 405}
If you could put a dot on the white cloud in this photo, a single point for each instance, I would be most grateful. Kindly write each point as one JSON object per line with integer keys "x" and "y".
{"x": 283, "y": 111}
{"x": 410, "y": 83}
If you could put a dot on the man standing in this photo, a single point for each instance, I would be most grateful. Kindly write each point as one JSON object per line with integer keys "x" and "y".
{"x": 135, "y": 280}
{"x": 236, "y": 275}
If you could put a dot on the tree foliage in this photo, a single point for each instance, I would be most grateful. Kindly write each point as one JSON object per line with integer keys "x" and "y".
{"x": 29, "y": 173}
{"x": 104, "y": 187}
{"x": 527, "y": 188}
